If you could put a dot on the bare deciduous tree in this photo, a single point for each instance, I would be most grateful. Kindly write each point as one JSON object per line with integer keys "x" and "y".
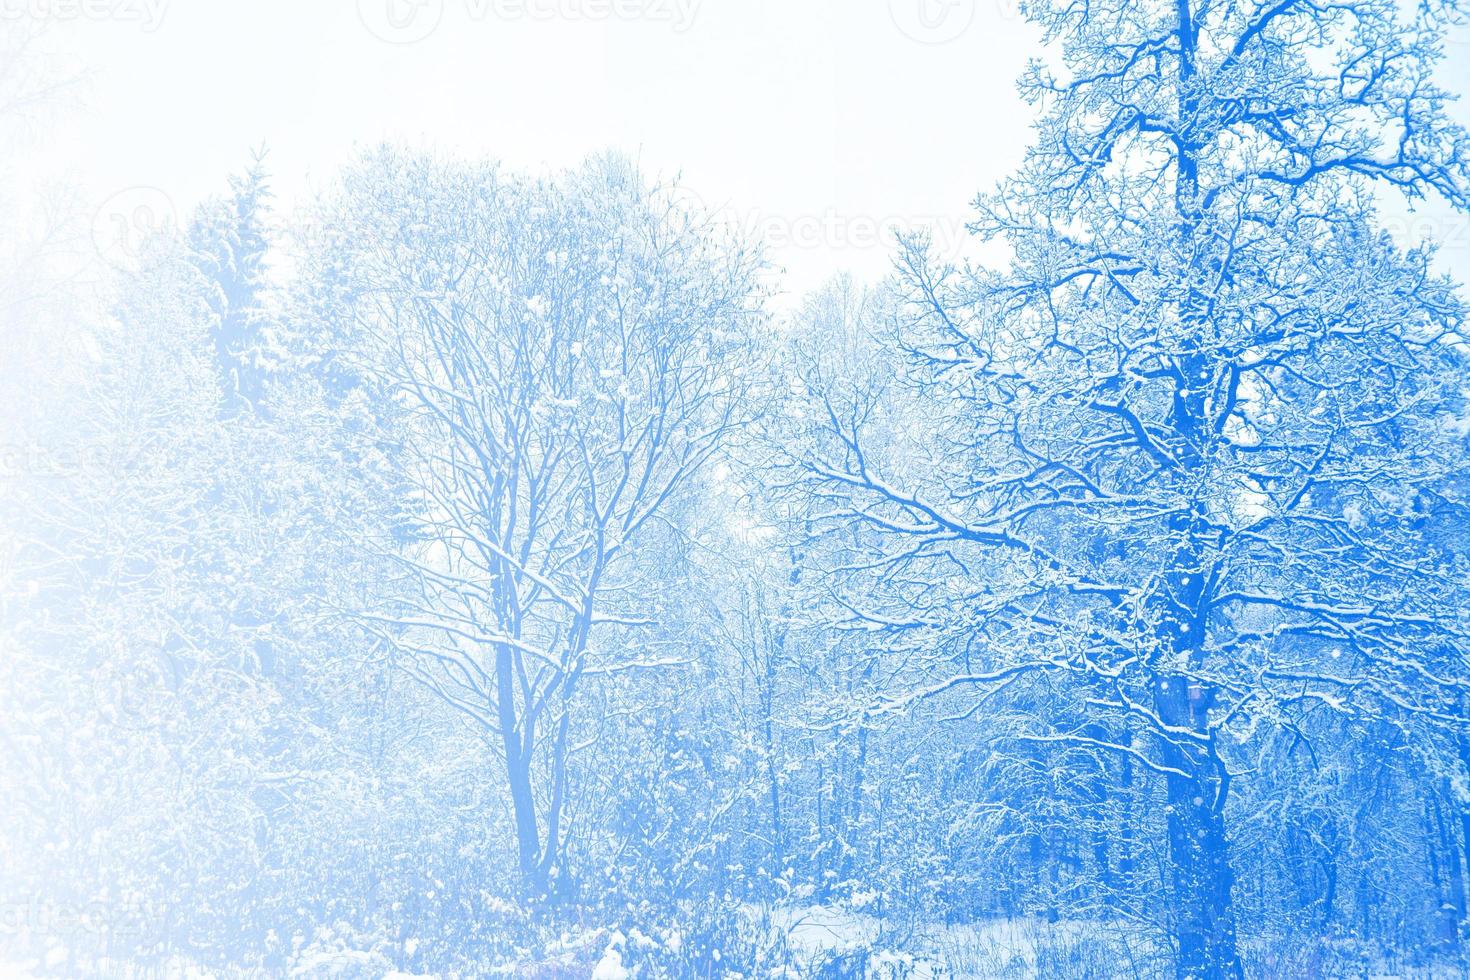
{"x": 564, "y": 356}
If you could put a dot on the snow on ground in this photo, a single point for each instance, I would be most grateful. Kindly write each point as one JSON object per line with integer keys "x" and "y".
{"x": 817, "y": 933}
{"x": 999, "y": 947}
{"x": 816, "y": 929}
{"x": 813, "y": 936}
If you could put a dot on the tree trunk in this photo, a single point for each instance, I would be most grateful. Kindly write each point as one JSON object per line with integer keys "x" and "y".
{"x": 528, "y": 843}
{"x": 516, "y": 746}
{"x": 773, "y": 775}
{"x": 1451, "y": 890}
{"x": 1202, "y": 879}
{"x": 1199, "y": 850}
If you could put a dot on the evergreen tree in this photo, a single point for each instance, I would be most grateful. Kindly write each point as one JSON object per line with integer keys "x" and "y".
{"x": 230, "y": 237}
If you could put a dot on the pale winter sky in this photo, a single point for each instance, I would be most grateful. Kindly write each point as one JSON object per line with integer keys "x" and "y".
{"x": 815, "y": 122}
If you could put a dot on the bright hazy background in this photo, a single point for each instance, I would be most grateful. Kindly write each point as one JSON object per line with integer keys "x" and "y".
{"x": 817, "y": 124}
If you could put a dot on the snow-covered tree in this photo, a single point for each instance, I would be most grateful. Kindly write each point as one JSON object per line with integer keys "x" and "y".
{"x": 231, "y": 241}
{"x": 560, "y": 357}
{"x": 1180, "y": 458}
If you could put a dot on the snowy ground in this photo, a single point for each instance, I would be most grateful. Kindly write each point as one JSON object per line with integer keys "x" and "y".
{"x": 816, "y": 940}
{"x": 1014, "y": 947}
{"x": 814, "y": 936}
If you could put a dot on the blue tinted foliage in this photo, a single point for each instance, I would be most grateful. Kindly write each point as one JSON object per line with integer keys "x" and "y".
{"x": 471, "y": 574}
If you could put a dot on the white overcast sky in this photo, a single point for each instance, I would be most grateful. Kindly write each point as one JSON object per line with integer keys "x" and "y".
{"x": 817, "y": 120}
